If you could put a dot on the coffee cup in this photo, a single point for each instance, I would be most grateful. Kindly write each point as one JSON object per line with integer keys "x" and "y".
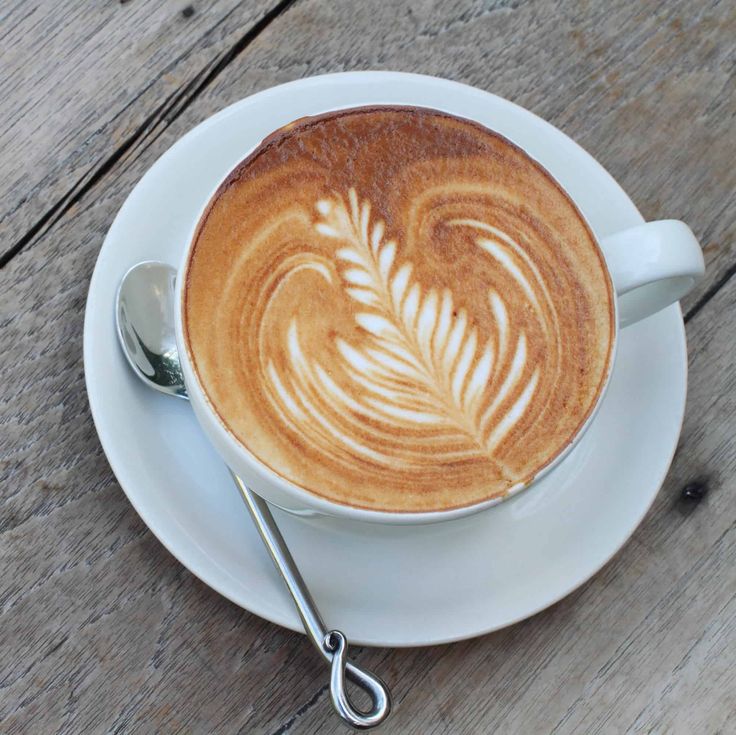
{"x": 395, "y": 314}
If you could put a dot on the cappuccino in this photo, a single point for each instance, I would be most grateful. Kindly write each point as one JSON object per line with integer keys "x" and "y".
{"x": 397, "y": 309}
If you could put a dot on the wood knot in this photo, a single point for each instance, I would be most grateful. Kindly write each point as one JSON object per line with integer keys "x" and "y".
{"x": 694, "y": 491}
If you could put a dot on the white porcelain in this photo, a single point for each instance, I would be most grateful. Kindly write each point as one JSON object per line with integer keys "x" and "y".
{"x": 383, "y": 585}
{"x": 651, "y": 265}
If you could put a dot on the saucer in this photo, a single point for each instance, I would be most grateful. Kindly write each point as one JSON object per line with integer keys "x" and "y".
{"x": 381, "y": 585}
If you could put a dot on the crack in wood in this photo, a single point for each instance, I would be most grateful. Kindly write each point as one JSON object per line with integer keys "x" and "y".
{"x": 710, "y": 293}
{"x": 301, "y": 711}
{"x": 165, "y": 114}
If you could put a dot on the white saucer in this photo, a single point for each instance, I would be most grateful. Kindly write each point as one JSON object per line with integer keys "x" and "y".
{"x": 387, "y": 586}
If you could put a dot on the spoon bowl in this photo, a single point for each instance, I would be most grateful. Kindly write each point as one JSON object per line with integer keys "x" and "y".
{"x": 144, "y": 314}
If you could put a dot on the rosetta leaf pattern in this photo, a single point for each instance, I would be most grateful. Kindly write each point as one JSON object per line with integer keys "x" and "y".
{"x": 423, "y": 363}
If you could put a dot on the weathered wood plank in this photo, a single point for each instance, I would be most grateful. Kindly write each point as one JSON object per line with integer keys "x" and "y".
{"x": 647, "y": 645}
{"x": 78, "y": 81}
{"x": 102, "y": 630}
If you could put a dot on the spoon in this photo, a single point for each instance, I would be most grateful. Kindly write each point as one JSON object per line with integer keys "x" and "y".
{"x": 144, "y": 312}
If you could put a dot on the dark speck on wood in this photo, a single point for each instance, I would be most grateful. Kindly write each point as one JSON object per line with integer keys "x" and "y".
{"x": 694, "y": 491}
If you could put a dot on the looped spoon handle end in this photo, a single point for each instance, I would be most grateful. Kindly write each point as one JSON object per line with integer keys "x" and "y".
{"x": 331, "y": 645}
{"x": 336, "y": 645}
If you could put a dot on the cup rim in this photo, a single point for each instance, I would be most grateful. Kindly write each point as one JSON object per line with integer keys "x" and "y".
{"x": 236, "y": 451}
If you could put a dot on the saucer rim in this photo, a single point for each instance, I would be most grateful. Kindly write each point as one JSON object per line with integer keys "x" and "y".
{"x": 118, "y": 464}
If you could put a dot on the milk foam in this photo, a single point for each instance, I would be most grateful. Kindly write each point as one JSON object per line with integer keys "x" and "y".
{"x": 397, "y": 309}
{"x": 420, "y": 363}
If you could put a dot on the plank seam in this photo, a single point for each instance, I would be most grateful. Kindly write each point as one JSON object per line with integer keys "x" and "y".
{"x": 171, "y": 109}
{"x": 301, "y": 711}
{"x": 710, "y": 293}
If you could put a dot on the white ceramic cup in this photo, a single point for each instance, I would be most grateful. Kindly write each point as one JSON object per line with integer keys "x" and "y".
{"x": 651, "y": 266}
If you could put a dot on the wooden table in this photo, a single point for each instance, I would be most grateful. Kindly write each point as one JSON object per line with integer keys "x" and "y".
{"x": 101, "y": 630}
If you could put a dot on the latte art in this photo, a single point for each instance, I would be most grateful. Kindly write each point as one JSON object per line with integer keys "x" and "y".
{"x": 397, "y": 309}
{"x": 431, "y": 384}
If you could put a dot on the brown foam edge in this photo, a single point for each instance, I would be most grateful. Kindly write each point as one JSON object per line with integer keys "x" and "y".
{"x": 308, "y": 121}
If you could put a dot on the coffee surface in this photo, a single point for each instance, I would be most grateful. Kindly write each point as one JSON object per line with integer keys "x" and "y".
{"x": 397, "y": 309}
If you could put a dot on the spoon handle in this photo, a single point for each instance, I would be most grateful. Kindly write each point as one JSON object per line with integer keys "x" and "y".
{"x": 331, "y": 644}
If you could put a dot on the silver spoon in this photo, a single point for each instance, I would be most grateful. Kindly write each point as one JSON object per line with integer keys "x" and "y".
{"x": 144, "y": 312}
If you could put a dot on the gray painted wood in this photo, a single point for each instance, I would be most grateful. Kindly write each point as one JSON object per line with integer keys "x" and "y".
{"x": 77, "y": 82}
{"x": 101, "y": 630}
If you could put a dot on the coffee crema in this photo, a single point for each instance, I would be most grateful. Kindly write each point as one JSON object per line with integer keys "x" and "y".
{"x": 397, "y": 309}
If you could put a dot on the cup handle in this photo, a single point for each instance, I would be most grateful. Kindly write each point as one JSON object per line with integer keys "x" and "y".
{"x": 652, "y": 266}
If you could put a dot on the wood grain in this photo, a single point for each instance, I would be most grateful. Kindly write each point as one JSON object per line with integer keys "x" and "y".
{"x": 647, "y": 645}
{"x": 646, "y": 87}
{"x": 102, "y": 631}
{"x": 78, "y": 82}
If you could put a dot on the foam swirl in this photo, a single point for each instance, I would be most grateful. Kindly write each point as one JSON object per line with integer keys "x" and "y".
{"x": 397, "y": 309}
{"x": 422, "y": 370}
